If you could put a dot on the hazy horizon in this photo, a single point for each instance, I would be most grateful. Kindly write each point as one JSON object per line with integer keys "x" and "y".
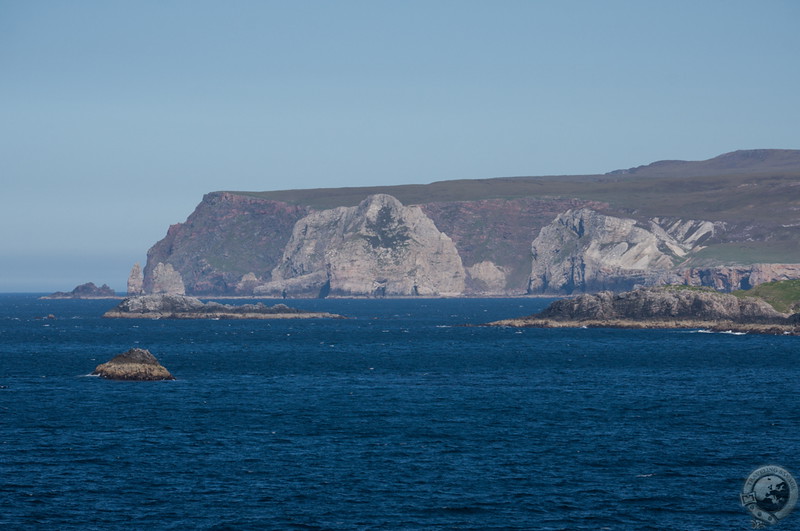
{"x": 119, "y": 117}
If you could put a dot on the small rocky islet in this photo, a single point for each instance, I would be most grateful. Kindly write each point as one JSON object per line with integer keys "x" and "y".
{"x": 664, "y": 307}
{"x": 134, "y": 365}
{"x": 167, "y": 306}
{"x": 85, "y": 291}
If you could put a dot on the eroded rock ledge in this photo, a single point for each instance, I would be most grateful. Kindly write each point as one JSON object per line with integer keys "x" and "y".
{"x": 183, "y": 307}
{"x": 662, "y": 308}
{"x": 136, "y": 364}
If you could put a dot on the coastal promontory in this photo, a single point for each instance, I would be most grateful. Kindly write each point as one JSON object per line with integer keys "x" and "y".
{"x": 167, "y": 306}
{"x": 663, "y": 307}
{"x": 136, "y": 364}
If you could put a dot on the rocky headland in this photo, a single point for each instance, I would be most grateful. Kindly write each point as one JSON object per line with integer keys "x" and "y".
{"x": 166, "y": 306}
{"x": 728, "y": 223}
{"x": 85, "y": 291}
{"x": 664, "y": 307}
{"x": 136, "y": 364}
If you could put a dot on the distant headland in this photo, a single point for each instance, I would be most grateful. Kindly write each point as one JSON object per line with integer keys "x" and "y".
{"x": 728, "y": 223}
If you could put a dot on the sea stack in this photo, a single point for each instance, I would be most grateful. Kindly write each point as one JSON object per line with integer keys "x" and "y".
{"x": 135, "y": 281}
{"x": 136, "y": 364}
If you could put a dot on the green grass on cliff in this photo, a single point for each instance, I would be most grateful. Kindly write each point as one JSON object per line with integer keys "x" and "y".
{"x": 783, "y": 295}
{"x": 769, "y": 197}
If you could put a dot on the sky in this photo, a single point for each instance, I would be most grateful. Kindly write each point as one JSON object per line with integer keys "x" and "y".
{"x": 117, "y": 117}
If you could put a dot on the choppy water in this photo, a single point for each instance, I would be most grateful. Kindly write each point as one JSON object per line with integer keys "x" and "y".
{"x": 398, "y": 418}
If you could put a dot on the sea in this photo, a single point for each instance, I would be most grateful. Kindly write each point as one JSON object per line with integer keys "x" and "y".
{"x": 405, "y": 415}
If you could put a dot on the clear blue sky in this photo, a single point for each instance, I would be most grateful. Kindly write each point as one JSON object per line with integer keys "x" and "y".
{"x": 116, "y": 117}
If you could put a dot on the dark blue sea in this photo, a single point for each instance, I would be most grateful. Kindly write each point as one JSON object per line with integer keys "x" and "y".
{"x": 399, "y": 417}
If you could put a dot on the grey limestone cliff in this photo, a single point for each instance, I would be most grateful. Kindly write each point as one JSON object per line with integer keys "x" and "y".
{"x": 583, "y": 251}
{"x": 136, "y": 281}
{"x": 379, "y": 247}
{"x": 729, "y": 222}
{"x": 165, "y": 279}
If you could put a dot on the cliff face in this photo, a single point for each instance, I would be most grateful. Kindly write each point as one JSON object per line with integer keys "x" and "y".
{"x": 493, "y": 237}
{"x": 136, "y": 280}
{"x": 583, "y": 250}
{"x": 224, "y": 239}
{"x": 730, "y": 223}
{"x": 379, "y": 248}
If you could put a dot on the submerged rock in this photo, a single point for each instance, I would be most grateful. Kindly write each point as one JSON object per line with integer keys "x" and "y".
{"x": 136, "y": 364}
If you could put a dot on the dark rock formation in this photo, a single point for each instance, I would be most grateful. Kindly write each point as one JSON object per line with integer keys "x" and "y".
{"x": 166, "y": 306}
{"x": 136, "y": 364}
{"x": 663, "y": 304}
{"x": 226, "y": 237}
{"x": 85, "y": 291}
{"x": 666, "y": 307}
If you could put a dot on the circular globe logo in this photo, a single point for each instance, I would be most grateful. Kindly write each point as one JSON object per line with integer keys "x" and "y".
{"x": 769, "y": 494}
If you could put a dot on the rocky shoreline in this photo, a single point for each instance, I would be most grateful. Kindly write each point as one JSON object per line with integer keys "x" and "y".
{"x": 711, "y": 326}
{"x": 183, "y": 307}
{"x": 662, "y": 308}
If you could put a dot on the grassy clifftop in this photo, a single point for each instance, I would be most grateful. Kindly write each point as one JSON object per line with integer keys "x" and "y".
{"x": 761, "y": 185}
{"x": 784, "y": 296}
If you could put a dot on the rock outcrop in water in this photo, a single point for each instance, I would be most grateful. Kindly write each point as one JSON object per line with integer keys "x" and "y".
{"x": 664, "y": 307}
{"x": 661, "y": 304}
{"x": 167, "y": 306}
{"x": 85, "y": 291}
{"x": 136, "y": 364}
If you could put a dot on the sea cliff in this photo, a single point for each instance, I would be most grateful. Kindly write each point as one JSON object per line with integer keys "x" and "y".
{"x": 729, "y": 223}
